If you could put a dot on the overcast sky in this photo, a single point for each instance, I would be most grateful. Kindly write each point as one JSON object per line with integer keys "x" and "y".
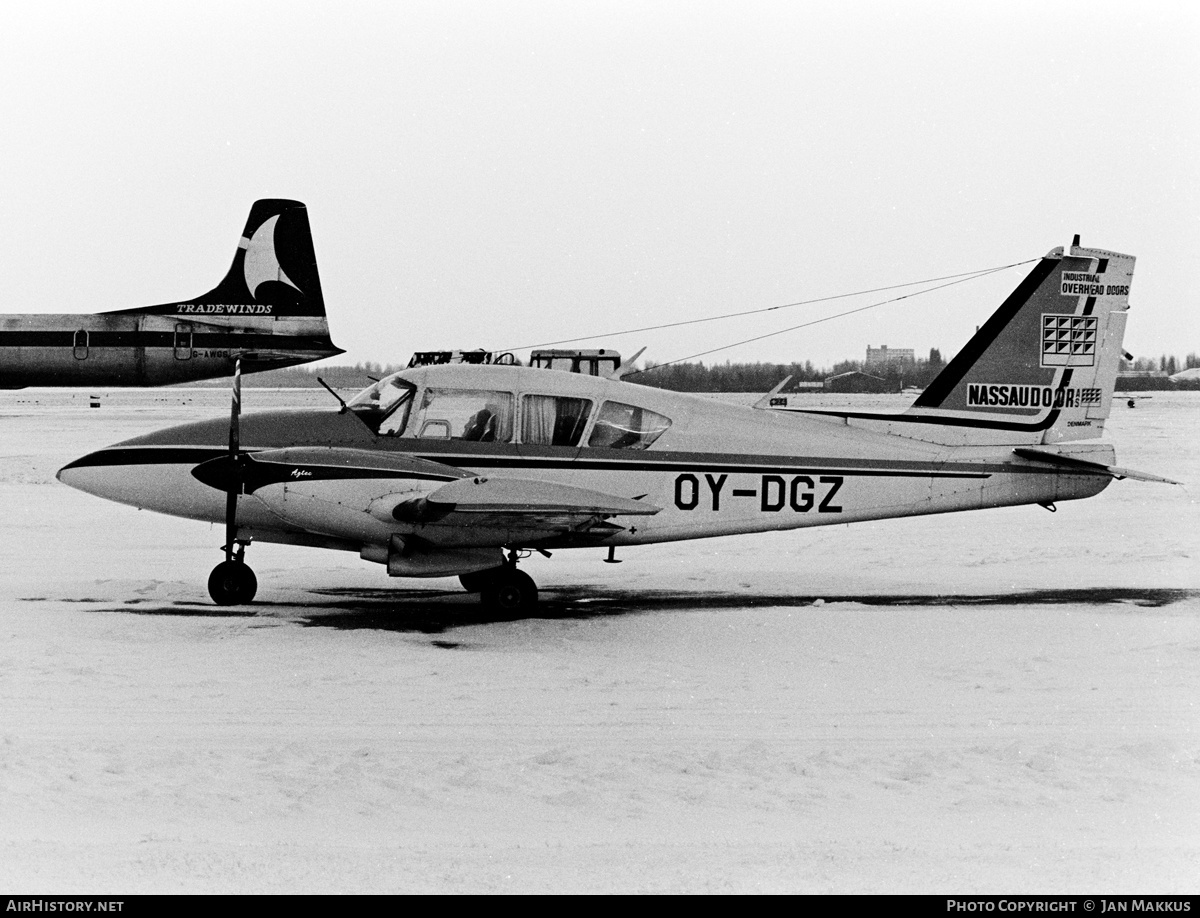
{"x": 505, "y": 174}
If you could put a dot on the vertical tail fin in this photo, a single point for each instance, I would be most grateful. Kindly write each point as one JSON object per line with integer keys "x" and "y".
{"x": 273, "y": 275}
{"x": 1045, "y": 364}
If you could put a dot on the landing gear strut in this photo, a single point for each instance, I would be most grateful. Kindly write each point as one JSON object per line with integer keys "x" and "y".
{"x": 232, "y": 582}
{"x": 503, "y": 588}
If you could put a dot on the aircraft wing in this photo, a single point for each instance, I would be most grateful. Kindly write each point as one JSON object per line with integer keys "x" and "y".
{"x": 367, "y": 495}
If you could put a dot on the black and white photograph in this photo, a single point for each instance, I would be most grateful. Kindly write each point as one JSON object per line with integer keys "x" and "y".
{"x": 599, "y": 447}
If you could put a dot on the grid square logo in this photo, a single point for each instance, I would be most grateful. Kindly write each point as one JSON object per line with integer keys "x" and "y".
{"x": 1068, "y": 341}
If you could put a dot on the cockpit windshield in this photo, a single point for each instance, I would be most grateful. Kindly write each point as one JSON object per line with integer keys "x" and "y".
{"x": 385, "y": 405}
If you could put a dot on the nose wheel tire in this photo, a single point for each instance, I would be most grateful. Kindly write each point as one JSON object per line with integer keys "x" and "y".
{"x": 232, "y": 583}
{"x": 510, "y": 590}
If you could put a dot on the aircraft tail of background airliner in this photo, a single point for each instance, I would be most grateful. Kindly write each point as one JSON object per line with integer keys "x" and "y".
{"x": 268, "y": 310}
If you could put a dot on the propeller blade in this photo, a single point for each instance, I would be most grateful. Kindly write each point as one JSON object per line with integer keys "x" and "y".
{"x": 236, "y": 410}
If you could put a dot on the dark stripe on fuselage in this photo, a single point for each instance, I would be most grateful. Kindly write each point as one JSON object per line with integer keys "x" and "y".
{"x": 160, "y": 455}
{"x": 713, "y": 464}
{"x": 981, "y": 421}
{"x": 165, "y": 339}
{"x": 697, "y": 463}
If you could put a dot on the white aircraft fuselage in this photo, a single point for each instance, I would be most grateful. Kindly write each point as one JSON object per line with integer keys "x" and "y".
{"x": 441, "y": 470}
{"x": 719, "y": 469}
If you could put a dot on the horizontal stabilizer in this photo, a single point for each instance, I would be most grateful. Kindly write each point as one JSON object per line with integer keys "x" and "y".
{"x": 282, "y": 355}
{"x": 1083, "y": 465}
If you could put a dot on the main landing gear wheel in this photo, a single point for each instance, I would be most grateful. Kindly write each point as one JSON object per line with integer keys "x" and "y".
{"x": 232, "y": 583}
{"x": 477, "y": 581}
{"x": 510, "y": 590}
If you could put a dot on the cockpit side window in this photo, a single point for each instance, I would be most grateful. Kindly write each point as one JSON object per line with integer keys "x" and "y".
{"x": 621, "y": 426}
{"x": 481, "y": 415}
{"x": 385, "y": 405}
{"x": 550, "y": 420}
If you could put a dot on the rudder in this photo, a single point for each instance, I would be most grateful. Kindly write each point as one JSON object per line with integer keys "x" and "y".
{"x": 1044, "y": 365}
{"x": 273, "y": 275}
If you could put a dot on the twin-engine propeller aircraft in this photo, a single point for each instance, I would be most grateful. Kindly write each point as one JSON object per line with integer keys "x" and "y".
{"x": 268, "y": 311}
{"x": 465, "y": 468}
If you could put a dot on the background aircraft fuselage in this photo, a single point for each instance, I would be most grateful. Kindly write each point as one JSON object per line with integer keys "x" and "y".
{"x": 147, "y": 350}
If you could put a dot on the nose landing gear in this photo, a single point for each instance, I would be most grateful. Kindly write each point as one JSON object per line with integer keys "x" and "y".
{"x": 232, "y": 582}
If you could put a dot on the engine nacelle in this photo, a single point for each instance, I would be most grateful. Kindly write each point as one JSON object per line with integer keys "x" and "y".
{"x": 403, "y": 560}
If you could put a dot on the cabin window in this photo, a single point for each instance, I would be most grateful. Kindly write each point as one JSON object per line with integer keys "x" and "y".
{"x": 621, "y": 426}
{"x": 548, "y": 420}
{"x": 81, "y": 344}
{"x": 481, "y": 415}
{"x": 385, "y": 406}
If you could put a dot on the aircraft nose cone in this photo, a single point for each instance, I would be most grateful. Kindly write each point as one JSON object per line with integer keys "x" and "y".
{"x": 90, "y": 473}
{"x": 148, "y": 478}
{"x": 112, "y": 474}
{"x": 67, "y": 475}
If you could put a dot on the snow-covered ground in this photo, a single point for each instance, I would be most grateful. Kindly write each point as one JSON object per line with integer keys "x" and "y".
{"x": 985, "y": 702}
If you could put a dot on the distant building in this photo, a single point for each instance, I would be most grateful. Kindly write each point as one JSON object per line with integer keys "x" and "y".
{"x": 883, "y": 355}
{"x": 859, "y": 382}
{"x": 1190, "y": 375}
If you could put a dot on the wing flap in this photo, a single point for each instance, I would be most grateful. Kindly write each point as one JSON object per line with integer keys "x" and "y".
{"x": 518, "y": 506}
{"x": 526, "y": 497}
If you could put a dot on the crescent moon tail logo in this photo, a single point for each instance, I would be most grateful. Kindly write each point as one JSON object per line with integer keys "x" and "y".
{"x": 260, "y": 263}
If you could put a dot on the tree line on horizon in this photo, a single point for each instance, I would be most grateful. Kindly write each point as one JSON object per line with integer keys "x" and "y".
{"x": 728, "y": 376}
